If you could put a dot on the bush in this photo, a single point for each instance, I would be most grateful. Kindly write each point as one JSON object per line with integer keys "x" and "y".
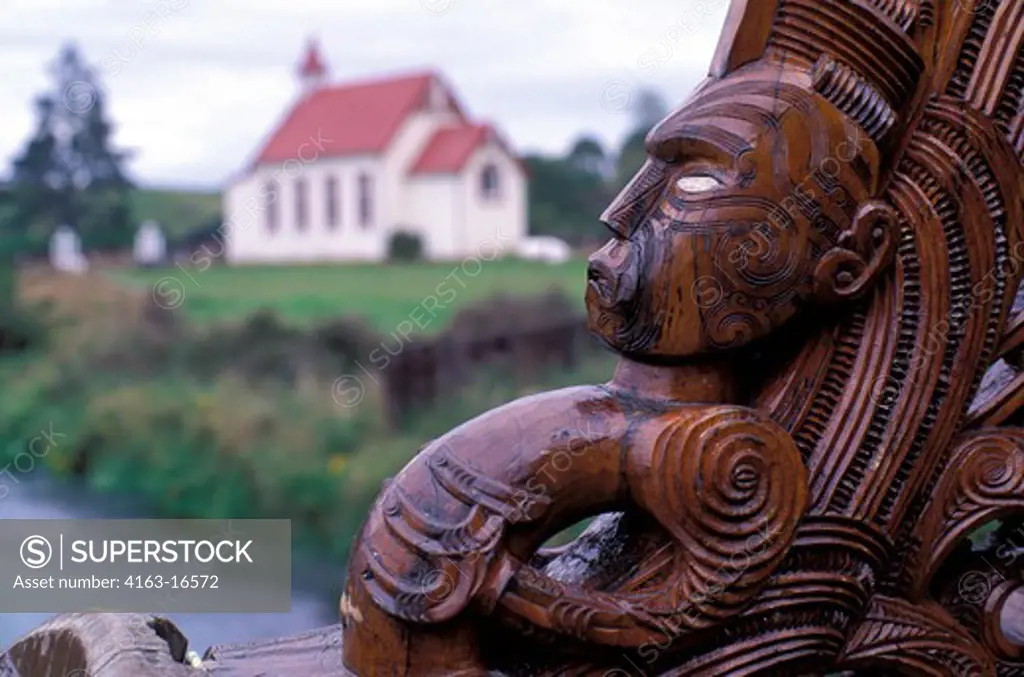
{"x": 405, "y": 246}
{"x": 222, "y": 448}
{"x": 194, "y": 450}
{"x": 20, "y": 327}
{"x": 262, "y": 350}
{"x": 505, "y": 314}
{"x": 236, "y": 420}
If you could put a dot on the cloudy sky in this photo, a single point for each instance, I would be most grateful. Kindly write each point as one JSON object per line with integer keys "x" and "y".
{"x": 194, "y": 85}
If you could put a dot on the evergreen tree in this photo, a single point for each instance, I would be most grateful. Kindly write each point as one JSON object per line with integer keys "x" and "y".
{"x": 631, "y": 156}
{"x": 650, "y": 109}
{"x": 587, "y": 155}
{"x": 565, "y": 201}
{"x": 68, "y": 172}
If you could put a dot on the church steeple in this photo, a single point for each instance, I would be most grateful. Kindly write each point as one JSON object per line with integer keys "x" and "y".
{"x": 312, "y": 69}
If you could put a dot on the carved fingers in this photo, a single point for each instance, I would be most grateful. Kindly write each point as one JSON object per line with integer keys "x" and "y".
{"x": 426, "y": 560}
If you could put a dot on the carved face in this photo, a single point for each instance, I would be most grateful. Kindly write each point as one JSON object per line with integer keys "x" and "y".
{"x": 745, "y": 211}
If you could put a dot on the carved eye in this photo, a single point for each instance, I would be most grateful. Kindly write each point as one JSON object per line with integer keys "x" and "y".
{"x": 698, "y": 184}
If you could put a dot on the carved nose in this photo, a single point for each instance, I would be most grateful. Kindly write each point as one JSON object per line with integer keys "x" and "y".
{"x": 600, "y": 274}
{"x": 638, "y": 199}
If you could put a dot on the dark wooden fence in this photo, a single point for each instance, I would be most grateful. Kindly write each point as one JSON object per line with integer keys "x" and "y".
{"x": 427, "y": 369}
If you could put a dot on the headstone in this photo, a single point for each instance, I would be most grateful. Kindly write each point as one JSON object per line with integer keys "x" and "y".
{"x": 150, "y": 245}
{"x": 66, "y": 251}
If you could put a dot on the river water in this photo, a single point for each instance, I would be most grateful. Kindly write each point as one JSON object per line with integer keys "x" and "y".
{"x": 39, "y": 497}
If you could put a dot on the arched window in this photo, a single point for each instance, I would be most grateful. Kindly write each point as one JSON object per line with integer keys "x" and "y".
{"x": 271, "y": 193}
{"x": 301, "y": 204}
{"x": 365, "y": 200}
{"x": 331, "y": 199}
{"x": 490, "y": 184}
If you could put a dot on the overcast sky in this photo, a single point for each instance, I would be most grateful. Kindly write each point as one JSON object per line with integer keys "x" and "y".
{"x": 193, "y": 86}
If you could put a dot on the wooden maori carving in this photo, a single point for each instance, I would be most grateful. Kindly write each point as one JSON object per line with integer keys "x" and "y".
{"x": 811, "y": 286}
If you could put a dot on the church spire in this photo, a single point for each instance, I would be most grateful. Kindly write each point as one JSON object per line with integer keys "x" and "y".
{"x": 312, "y": 69}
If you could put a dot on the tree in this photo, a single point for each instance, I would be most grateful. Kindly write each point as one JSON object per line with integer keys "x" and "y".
{"x": 68, "y": 172}
{"x": 587, "y": 155}
{"x": 631, "y": 157}
{"x": 565, "y": 201}
{"x": 21, "y": 327}
{"x": 649, "y": 110}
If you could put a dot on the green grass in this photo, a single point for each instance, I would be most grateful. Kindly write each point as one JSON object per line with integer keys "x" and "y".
{"x": 383, "y": 295}
{"x": 178, "y": 212}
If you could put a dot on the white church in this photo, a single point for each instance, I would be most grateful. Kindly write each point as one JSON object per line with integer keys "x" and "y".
{"x": 350, "y": 164}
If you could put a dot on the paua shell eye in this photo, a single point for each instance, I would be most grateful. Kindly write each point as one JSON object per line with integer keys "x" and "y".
{"x": 698, "y": 184}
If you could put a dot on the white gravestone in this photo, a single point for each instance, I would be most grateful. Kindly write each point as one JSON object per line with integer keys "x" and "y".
{"x": 150, "y": 245}
{"x": 66, "y": 251}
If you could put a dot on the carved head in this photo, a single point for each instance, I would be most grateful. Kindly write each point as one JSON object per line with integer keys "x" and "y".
{"x": 759, "y": 195}
{"x": 755, "y": 202}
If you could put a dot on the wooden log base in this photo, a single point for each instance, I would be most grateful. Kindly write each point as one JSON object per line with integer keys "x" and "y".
{"x": 99, "y": 645}
{"x": 136, "y": 645}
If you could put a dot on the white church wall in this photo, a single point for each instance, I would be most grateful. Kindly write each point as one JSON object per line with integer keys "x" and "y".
{"x": 248, "y": 201}
{"x": 435, "y": 202}
{"x": 497, "y": 224}
{"x": 406, "y": 148}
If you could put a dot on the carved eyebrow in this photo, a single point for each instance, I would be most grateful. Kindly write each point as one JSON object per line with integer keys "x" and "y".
{"x": 670, "y": 142}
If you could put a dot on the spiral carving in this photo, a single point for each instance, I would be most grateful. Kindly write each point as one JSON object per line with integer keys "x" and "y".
{"x": 732, "y": 487}
{"x": 760, "y": 257}
{"x": 736, "y": 326}
{"x": 996, "y": 470}
{"x": 983, "y": 481}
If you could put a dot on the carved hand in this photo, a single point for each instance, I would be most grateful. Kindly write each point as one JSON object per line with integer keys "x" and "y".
{"x": 458, "y": 526}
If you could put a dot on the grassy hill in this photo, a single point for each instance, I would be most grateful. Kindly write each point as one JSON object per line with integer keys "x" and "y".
{"x": 178, "y": 211}
{"x": 383, "y": 295}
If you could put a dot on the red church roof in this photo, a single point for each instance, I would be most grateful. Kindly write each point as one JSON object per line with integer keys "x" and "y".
{"x": 348, "y": 119}
{"x": 450, "y": 149}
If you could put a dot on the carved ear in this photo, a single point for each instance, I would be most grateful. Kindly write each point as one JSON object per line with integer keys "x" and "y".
{"x": 862, "y": 254}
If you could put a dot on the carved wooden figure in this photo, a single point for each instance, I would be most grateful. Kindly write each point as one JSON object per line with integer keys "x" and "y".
{"x": 806, "y": 282}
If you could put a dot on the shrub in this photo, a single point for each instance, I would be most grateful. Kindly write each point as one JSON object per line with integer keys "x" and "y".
{"x": 20, "y": 330}
{"x": 198, "y": 450}
{"x": 506, "y": 314}
{"x": 239, "y": 420}
{"x": 21, "y": 327}
{"x": 405, "y": 246}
